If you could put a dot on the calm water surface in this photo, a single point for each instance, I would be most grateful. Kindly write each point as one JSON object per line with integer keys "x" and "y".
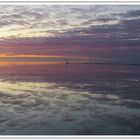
{"x": 69, "y": 99}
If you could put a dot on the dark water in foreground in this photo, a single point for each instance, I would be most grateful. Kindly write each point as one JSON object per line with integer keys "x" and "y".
{"x": 73, "y": 99}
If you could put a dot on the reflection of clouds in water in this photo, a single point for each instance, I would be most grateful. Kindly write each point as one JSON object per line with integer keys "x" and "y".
{"x": 48, "y": 108}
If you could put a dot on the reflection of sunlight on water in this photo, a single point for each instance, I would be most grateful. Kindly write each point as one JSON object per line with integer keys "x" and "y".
{"x": 18, "y": 87}
{"x": 49, "y": 108}
{"x": 24, "y": 85}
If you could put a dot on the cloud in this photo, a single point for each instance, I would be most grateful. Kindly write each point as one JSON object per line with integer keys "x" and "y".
{"x": 73, "y": 30}
{"x": 131, "y": 13}
{"x": 105, "y": 19}
{"x": 120, "y": 41}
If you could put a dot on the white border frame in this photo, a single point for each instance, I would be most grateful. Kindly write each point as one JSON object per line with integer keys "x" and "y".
{"x": 69, "y": 2}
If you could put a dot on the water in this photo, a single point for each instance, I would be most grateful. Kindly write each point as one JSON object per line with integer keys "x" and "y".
{"x": 75, "y": 99}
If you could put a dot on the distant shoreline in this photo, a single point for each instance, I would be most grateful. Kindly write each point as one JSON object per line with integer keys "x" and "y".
{"x": 62, "y": 62}
{"x": 104, "y": 63}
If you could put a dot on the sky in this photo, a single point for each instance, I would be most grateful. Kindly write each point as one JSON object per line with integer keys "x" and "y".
{"x": 105, "y": 32}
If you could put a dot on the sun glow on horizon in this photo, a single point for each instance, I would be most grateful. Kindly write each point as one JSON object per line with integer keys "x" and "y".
{"x": 40, "y": 59}
{"x": 41, "y": 56}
